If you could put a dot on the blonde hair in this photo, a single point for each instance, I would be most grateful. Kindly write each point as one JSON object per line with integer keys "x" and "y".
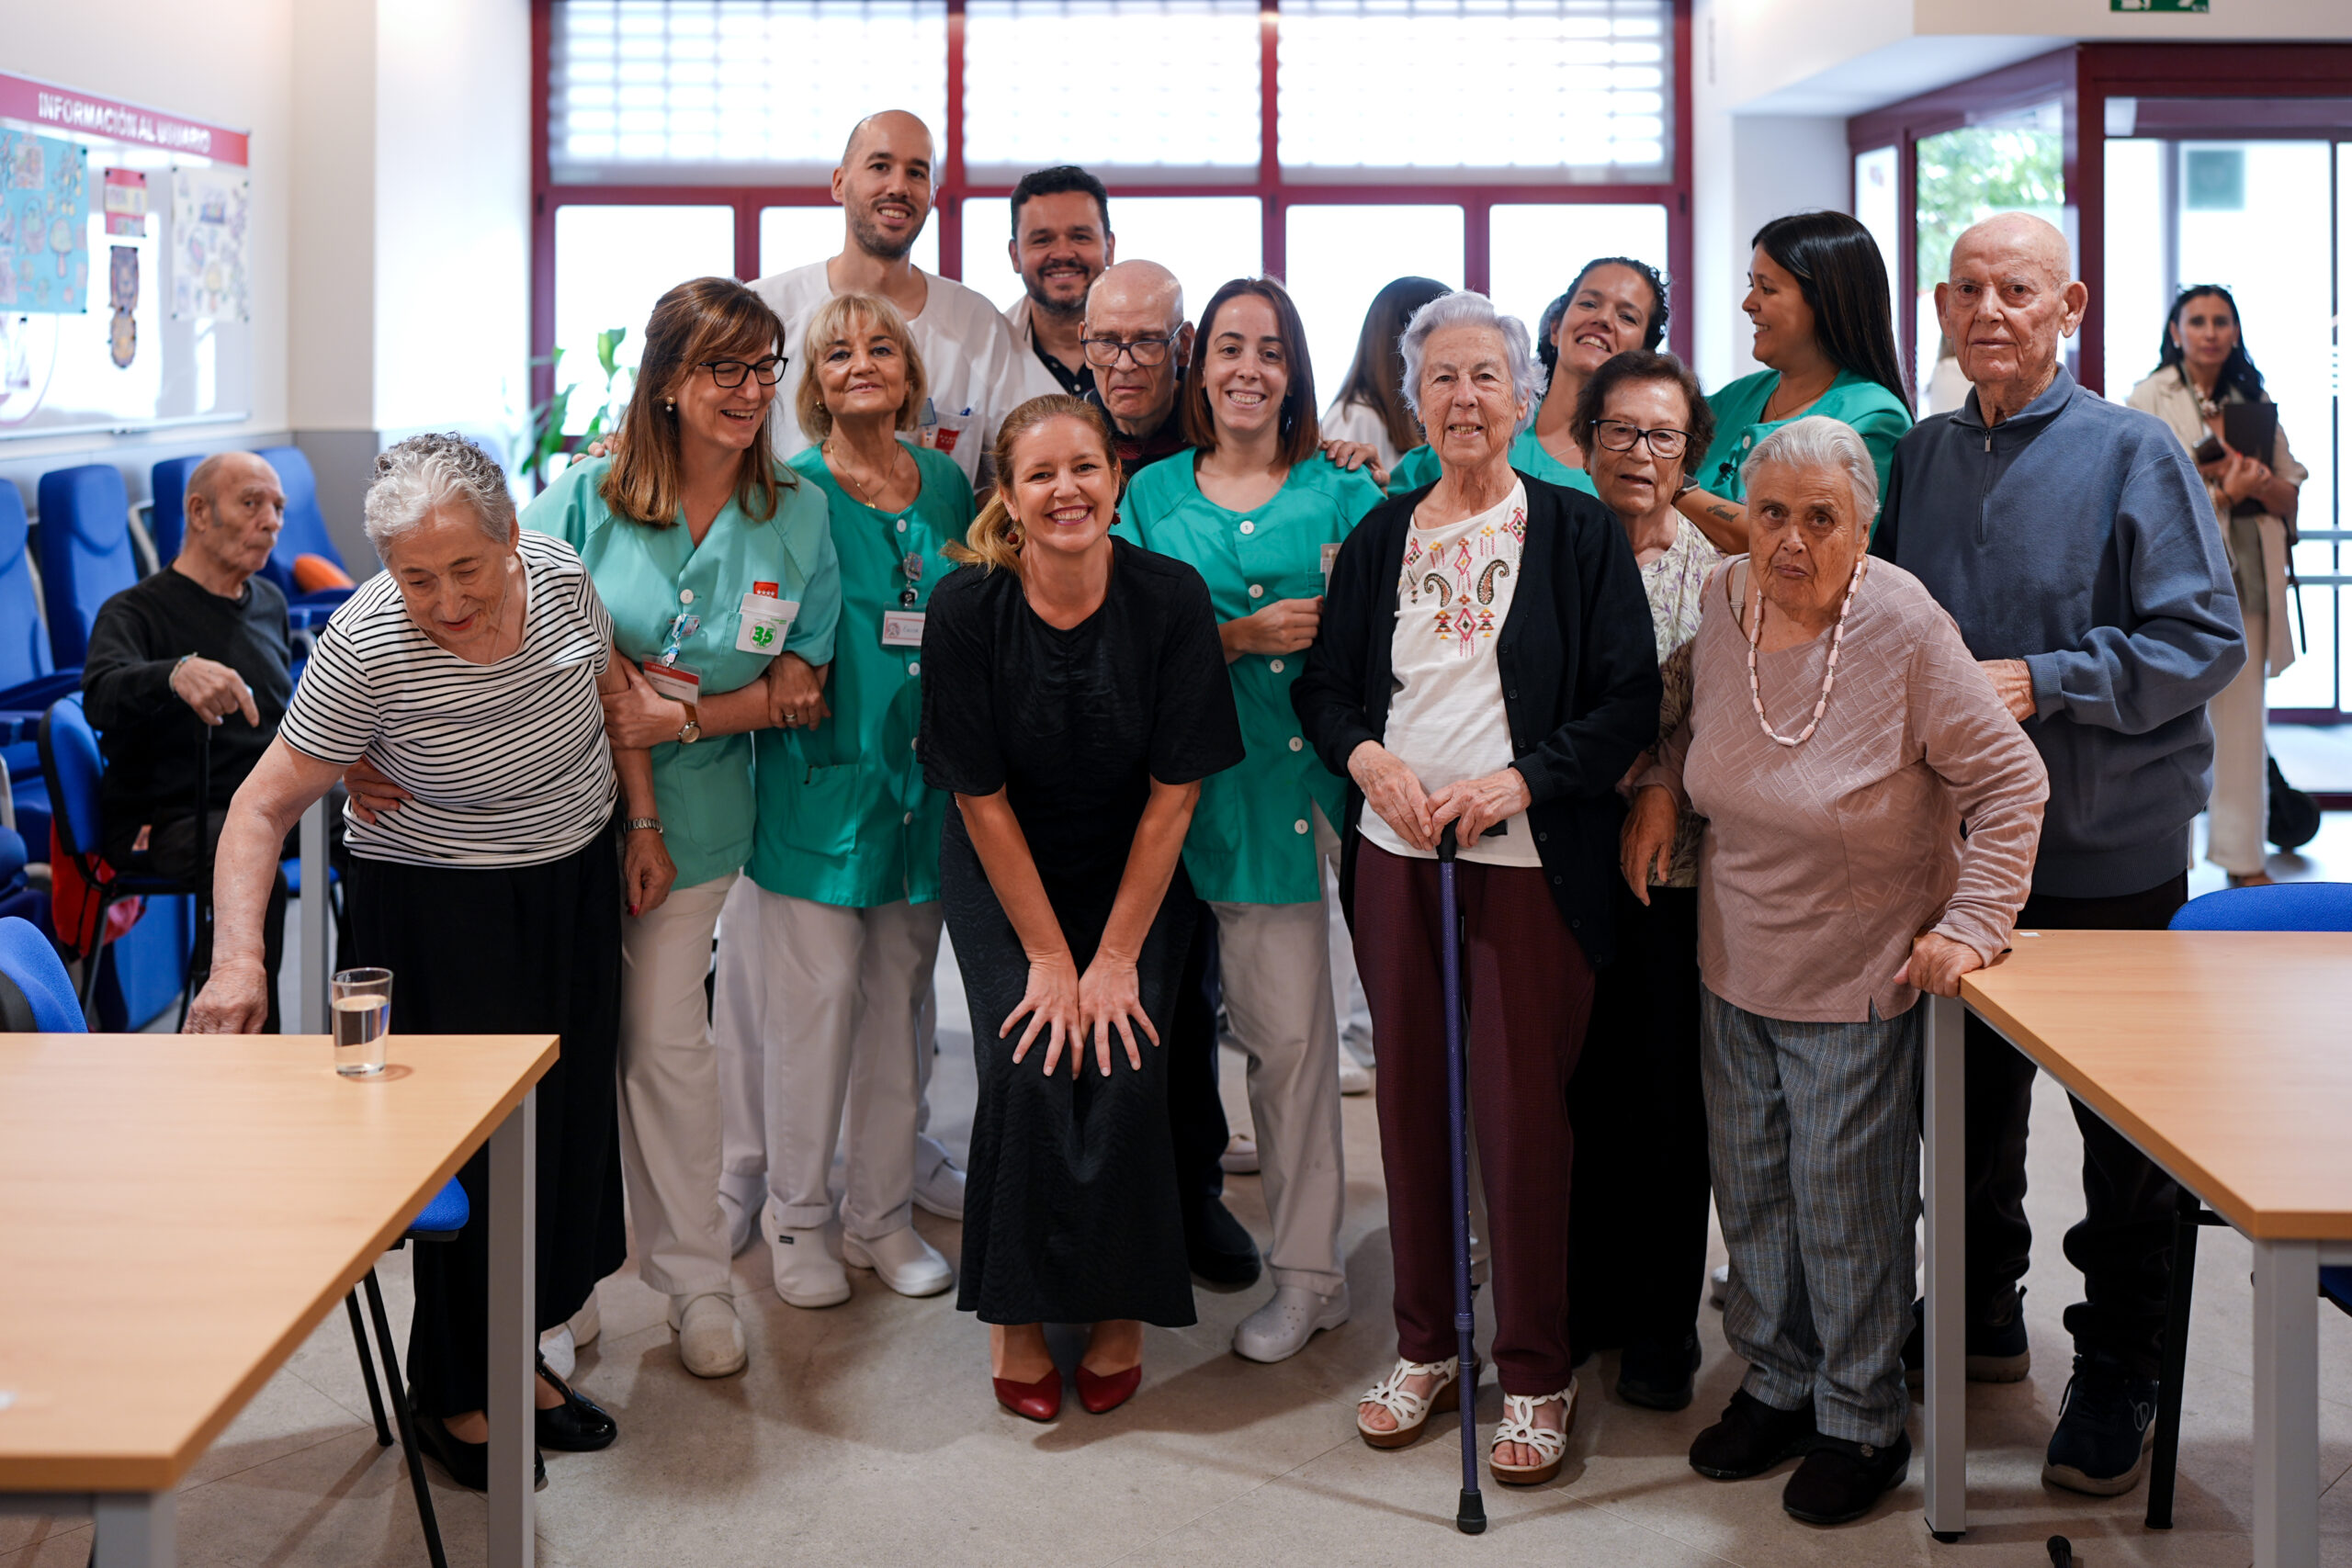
{"x": 994, "y": 539}
{"x": 831, "y": 322}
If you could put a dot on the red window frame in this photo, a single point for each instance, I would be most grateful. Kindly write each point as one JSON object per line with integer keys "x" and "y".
{"x": 1275, "y": 195}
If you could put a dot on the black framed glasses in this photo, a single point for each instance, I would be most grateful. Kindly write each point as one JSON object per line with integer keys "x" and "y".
{"x": 1616, "y": 435}
{"x": 1146, "y": 352}
{"x": 730, "y": 373}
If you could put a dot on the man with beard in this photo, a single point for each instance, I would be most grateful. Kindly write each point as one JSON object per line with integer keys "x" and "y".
{"x": 978, "y": 371}
{"x": 1061, "y": 243}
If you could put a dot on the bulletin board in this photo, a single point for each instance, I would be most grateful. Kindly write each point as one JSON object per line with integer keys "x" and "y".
{"x": 126, "y": 239}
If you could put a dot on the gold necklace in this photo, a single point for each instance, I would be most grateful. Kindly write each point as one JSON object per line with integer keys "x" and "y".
{"x": 865, "y": 496}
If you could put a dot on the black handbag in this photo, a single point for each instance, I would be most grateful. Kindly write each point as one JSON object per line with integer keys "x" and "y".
{"x": 2293, "y": 816}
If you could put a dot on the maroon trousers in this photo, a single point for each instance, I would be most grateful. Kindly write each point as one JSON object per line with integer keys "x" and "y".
{"x": 1527, "y": 992}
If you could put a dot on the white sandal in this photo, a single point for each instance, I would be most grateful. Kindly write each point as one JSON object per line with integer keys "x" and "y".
{"x": 1411, "y": 1411}
{"x": 1519, "y": 1427}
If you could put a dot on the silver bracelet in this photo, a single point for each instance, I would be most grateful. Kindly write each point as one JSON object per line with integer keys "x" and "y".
{"x": 634, "y": 823}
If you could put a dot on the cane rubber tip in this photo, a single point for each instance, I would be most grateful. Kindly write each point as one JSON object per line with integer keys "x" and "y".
{"x": 1471, "y": 1518}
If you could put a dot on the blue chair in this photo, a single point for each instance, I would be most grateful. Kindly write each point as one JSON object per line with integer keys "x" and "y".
{"x": 167, "y": 517}
{"x": 72, "y": 764}
{"x": 2280, "y": 907}
{"x": 442, "y": 1219}
{"x": 305, "y": 532}
{"x": 86, "y": 556}
{"x": 29, "y": 680}
{"x": 29, "y": 963}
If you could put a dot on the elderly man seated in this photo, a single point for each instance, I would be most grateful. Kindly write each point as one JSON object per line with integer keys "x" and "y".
{"x": 186, "y": 679}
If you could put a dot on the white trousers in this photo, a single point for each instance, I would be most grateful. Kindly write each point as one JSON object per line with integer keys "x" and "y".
{"x": 1275, "y": 962}
{"x": 669, "y": 1093}
{"x": 1353, "y": 1012}
{"x": 2238, "y": 813}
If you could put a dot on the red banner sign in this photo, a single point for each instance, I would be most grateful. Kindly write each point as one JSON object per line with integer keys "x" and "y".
{"x": 69, "y": 113}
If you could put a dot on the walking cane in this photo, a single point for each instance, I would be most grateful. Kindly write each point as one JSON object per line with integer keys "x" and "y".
{"x": 1470, "y": 1518}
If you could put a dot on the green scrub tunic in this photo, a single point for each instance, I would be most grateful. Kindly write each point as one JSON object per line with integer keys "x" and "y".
{"x": 1253, "y": 839}
{"x": 646, "y": 576}
{"x": 1419, "y": 467}
{"x": 845, "y": 817}
{"x": 1877, "y": 416}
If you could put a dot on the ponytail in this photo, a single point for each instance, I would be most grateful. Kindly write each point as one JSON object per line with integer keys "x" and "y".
{"x": 993, "y": 540}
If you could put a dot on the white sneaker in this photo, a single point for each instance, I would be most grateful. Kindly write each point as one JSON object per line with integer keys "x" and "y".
{"x": 560, "y": 1351}
{"x": 1354, "y": 1077}
{"x": 940, "y": 1190}
{"x": 907, "y": 1263}
{"x": 1240, "y": 1156}
{"x": 1281, "y": 1328}
{"x": 807, "y": 1273}
{"x": 710, "y": 1337}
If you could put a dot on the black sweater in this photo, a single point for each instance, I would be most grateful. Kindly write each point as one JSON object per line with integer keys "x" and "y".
{"x": 1578, "y": 661}
{"x": 152, "y": 740}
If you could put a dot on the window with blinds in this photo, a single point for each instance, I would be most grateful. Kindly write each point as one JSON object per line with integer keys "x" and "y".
{"x": 672, "y": 91}
{"x": 1561, "y": 90}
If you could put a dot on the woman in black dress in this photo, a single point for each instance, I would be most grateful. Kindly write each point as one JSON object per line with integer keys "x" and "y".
{"x": 1074, "y": 696}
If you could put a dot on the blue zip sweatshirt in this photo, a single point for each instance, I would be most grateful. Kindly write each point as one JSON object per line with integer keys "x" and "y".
{"x": 2076, "y": 536}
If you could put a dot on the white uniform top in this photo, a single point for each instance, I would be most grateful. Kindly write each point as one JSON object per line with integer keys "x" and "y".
{"x": 1352, "y": 421}
{"x": 978, "y": 371}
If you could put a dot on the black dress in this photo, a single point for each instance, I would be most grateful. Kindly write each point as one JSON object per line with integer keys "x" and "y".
{"x": 1070, "y": 1210}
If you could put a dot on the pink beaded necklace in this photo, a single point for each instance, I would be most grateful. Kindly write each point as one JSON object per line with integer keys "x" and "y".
{"x": 1828, "y": 673}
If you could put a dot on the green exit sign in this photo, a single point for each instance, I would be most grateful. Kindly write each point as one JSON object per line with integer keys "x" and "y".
{"x": 2198, "y": 5}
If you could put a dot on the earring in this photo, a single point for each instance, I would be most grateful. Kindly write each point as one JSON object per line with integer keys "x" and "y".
{"x": 669, "y": 405}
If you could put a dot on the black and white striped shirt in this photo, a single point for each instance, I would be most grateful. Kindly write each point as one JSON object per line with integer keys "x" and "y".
{"x": 507, "y": 761}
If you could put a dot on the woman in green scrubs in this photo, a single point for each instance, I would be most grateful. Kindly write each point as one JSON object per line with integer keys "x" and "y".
{"x": 1818, "y": 294}
{"x": 717, "y": 566}
{"x": 1259, "y": 513}
{"x": 843, "y": 905}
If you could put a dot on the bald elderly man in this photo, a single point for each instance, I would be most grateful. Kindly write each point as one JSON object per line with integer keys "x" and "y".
{"x": 977, "y": 369}
{"x": 187, "y": 676}
{"x": 1137, "y": 343}
{"x": 2074, "y": 545}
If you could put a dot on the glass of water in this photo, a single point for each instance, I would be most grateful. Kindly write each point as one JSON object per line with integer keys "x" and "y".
{"x": 361, "y": 1000}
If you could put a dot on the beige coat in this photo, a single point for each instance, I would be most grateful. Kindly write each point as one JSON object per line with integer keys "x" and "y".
{"x": 2257, "y": 546}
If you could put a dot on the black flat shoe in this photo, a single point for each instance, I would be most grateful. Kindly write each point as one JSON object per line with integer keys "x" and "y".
{"x": 578, "y": 1425}
{"x": 1656, "y": 1376}
{"x": 466, "y": 1464}
{"x": 1751, "y": 1438}
{"x": 1841, "y": 1481}
{"x": 1220, "y": 1251}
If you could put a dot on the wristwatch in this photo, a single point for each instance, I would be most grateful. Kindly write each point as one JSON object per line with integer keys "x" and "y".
{"x": 635, "y": 823}
{"x": 690, "y": 731}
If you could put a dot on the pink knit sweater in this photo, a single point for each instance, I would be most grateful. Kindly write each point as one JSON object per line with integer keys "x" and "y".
{"x": 1822, "y": 861}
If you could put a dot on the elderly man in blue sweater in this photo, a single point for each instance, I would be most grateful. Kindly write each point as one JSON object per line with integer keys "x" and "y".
{"x": 2072, "y": 541}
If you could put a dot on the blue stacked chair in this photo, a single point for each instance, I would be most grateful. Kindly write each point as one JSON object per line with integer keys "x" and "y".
{"x": 167, "y": 518}
{"x": 305, "y": 532}
{"x": 2280, "y": 906}
{"x": 29, "y": 680}
{"x": 86, "y": 556}
{"x": 42, "y": 993}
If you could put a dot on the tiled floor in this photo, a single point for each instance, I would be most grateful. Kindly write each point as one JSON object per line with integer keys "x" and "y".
{"x": 865, "y": 1434}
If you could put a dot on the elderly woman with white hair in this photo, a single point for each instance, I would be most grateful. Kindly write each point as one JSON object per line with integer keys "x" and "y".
{"x": 1484, "y": 663}
{"x": 1872, "y": 812}
{"x": 468, "y": 674}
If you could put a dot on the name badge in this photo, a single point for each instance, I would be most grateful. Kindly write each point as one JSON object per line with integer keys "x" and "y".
{"x": 764, "y": 621}
{"x": 902, "y": 628}
{"x": 1330, "y": 560}
{"x": 678, "y": 682}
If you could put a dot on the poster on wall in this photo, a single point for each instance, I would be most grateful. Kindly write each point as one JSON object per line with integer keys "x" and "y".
{"x": 44, "y": 225}
{"x": 210, "y": 227}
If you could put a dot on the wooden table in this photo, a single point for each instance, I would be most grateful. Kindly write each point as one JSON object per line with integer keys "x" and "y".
{"x": 2226, "y": 1058}
{"x": 177, "y": 1214}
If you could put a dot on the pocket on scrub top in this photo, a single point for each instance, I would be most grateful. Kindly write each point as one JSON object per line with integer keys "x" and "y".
{"x": 821, "y": 819}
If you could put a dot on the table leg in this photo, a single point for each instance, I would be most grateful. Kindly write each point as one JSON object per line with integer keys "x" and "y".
{"x": 513, "y": 1337}
{"x": 135, "y": 1529}
{"x": 1946, "y": 1421}
{"x": 2286, "y": 1404}
{"x": 313, "y": 979}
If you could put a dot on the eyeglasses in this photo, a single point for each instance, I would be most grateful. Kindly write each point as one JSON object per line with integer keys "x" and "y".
{"x": 730, "y": 373}
{"x": 1146, "y": 352}
{"x": 1616, "y": 435}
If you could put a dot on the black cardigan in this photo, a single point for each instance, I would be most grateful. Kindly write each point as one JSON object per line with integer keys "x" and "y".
{"x": 1578, "y": 661}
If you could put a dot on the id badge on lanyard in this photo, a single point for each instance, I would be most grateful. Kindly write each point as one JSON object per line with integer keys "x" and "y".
{"x": 902, "y": 627}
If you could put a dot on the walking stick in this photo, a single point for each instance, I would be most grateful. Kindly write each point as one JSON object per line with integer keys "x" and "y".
{"x": 1470, "y": 1518}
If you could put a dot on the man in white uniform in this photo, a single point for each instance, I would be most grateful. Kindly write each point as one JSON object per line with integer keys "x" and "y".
{"x": 978, "y": 371}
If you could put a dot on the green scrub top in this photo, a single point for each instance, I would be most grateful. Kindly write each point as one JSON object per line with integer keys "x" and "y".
{"x": 1253, "y": 839}
{"x": 1419, "y": 467}
{"x": 845, "y": 817}
{"x": 1876, "y": 414}
{"x": 646, "y": 576}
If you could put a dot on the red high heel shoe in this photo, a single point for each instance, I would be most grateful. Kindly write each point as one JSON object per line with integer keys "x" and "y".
{"x": 1039, "y": 1401}
{"x": 1102, "y": 1394}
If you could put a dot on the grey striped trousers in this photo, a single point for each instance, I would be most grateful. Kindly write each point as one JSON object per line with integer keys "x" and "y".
{"x": 1812, "y": 1134}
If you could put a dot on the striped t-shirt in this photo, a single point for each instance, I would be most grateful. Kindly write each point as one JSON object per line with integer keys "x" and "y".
{"x": 507, "y": 762}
